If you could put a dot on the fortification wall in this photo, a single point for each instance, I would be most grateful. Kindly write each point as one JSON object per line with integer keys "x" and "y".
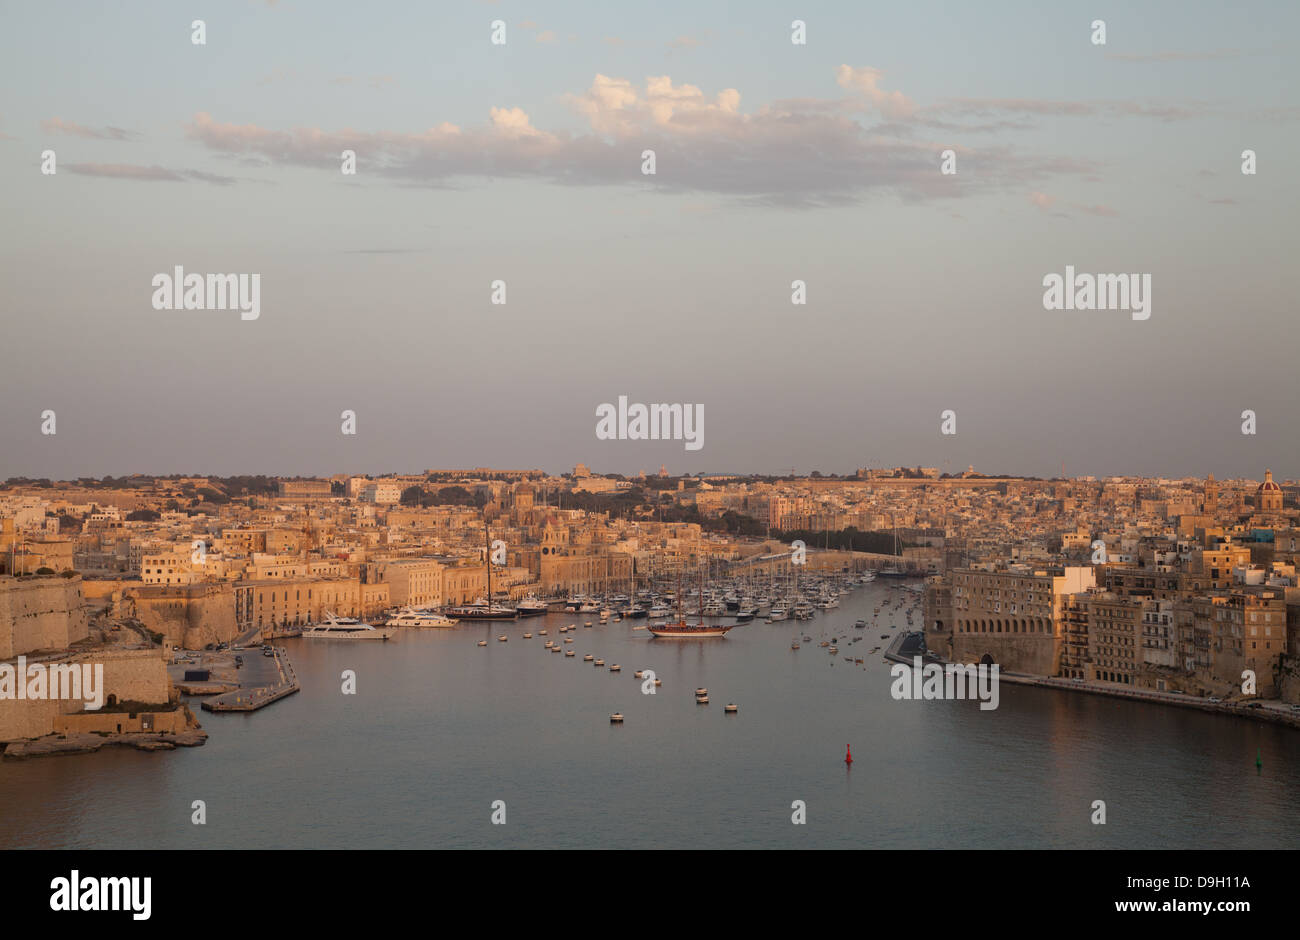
{"x": 129, "y": 676}
{"x": 40, "y": 613}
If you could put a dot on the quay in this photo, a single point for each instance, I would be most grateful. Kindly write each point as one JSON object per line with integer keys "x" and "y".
{"x": 250, "y": 699}
{"x": 905, "y": 646}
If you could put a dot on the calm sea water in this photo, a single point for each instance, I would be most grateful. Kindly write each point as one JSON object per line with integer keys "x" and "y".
{"x": 440, "y": 729}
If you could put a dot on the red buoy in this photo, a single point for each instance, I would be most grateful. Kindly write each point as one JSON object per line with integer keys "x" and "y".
{"x": 848, "y": 754}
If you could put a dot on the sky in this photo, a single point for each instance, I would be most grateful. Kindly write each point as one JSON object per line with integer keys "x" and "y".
{"x": 774, "y": 162}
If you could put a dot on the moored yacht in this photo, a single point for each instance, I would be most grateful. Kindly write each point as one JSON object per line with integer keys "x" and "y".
{"x": 531, "y": 606}
{"x": 481, "y": 610}
{"x": 417, "y": 617}
{"x": 344, "y": 628}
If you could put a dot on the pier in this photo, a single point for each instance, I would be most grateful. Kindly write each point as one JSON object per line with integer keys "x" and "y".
{"x": 251, "y": 698}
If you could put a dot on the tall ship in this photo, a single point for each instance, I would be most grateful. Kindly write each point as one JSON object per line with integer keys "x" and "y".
{"x": 681, "y": 630}
{"x": 483, "y": 608}
{"x": 344, "y": 628}
{"x": 894, "y": 569}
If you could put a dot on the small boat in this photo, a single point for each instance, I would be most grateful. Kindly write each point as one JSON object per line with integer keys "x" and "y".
{"x": 731, "y": 709}
{"x": 600, "y": 662}
{"x": 541, "y": 633}
{"x": 568, "y": 639}
{"x": 555, "y": 649}
{"x": 659, "y": 682}
{"x": 702, "y": 700}
{"x": 860, "y": 624}
{"x": 794, "y": 646}
{"x": 567, "y": 652}
{"x": 701, "y": 691}
{"x": 833, "y": 649}
{"x": 587, "y": 624}
{"x": 502, "y": 638}
{"x": 588, "y": 658}
{"x": 637, "y": 674}
{"x": 528, "y": 636}
{"x": 482, "y": 642}
{"x": 615, "y": 668}
{"x": 616, "y": 718}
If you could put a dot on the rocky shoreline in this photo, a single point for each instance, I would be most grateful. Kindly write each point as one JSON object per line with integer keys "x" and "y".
{"x": 54, "y": 745}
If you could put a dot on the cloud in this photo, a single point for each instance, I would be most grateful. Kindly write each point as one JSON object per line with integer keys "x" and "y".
{"x": 1046, "y": 202}
{"x": 382, "y": 251}
{"x": 546, "y": 35}
{"x": 374, "y": 81}
{"x": 1173, "y": 56}
{"x": 614, "y": 41}
{"x": 1038, "y": 107}
{"x": 132, "y": 171}
{"x": 685, "y": 42}
{"x": 803, "y": 152}
{"x": 59, "y": 126}
{"x": 275, "y": 75}
{"x": 866, "y": 81}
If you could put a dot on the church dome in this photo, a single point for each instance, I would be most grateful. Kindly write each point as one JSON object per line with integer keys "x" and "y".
{"x": 1268, "y": 486}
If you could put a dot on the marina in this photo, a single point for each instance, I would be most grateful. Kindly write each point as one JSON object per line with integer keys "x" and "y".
{"x": 449, "y": 698}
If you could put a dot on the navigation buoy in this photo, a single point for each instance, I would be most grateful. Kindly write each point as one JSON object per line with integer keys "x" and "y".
{"x": 848, "y": 754}
{"x": 1259, "y": 760}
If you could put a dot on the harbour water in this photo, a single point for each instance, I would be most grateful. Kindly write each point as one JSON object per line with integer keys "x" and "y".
{"x": 441, "y": 728}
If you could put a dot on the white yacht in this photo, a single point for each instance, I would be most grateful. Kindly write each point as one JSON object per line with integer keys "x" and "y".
{"x": 778, "y": 611}
{"x": 344, "y": 628}
{"x": 421, "y": 617}
{"x": 659, "y": 610}
{"x": 531, "y": 606}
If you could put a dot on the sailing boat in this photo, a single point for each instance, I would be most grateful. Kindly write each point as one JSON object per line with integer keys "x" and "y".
{"x": 682, "y": 630}
{"x": 893, "y": 570}
{"x": 483, "y": 608}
